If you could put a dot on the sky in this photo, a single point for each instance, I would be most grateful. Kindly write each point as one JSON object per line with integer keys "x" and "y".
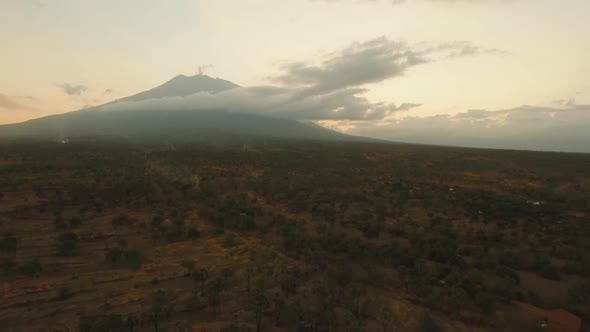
{"x": 461, "y": 71}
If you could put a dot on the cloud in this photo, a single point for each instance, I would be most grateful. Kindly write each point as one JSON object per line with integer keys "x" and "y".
{"x": 36, "y": 3}
{"x": 525, "y": 127}
{"x": 201, "y": 69}
{"x": 73, "y": 90}
{"x": 360, "y": 63}
{"x": 372, "y": 61}
{"x": 451, "y": 1}
{"x": 457, "y": 49}
{"x": 330, "y": 87}
{"x": 108, "y": 91}
{"x": 273, "y": 101}
{"x": 13, "y": 103}
{"x": 401, "y": 2}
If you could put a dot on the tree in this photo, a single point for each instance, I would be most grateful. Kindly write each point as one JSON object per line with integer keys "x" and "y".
{"x": 75, "y": 222}
{"x": 249, "y": 271}
{"x": 188, "y": 265}
{"x": 421, "y": 276}
{"x": 427, "y": 324}
{"x": 386, "y": 318}
{"x": 162, "y": 305}
{"x": 7, "y": 265}
{"x": 134, "y": 258}
{"x": 579, "y": 293}
{"x": 8, "y": 243}
{"x": 200, "y": 276}
{"x": 132, "y": 322}
{"x": 550, "y": 272}
{"x": 215, "y": 289}
{"x": 31, "y": 268}
{"x": 114, "y": 254}
{"x": 214, "y": 299}
{"x": 67, "y": 243}
{"x": 261, "y": 303}
{"x": 484, "y": 302}
{"x": 183, "y": 327}
{"x": 105, "y": 323}
{"x": 158, "y": 220}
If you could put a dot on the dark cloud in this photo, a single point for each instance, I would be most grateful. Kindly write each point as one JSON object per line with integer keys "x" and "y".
{"x": 108, "y": 91}
{"x": 73, "y": 90}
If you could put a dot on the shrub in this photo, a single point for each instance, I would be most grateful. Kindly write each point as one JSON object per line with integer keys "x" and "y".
{"x": 550, "y": 272}
{"x": 484, "y": 302}
{"x": 31, "y": 268}
{"x": 8, "y": 243}
{"x": 227, "y": 272}
{"x": 7, "y": 265}
{"x": 59, "y": 223}
{"x": 100, "y": 324}
{"x": 134, "y": 258}
{"x": 579, "y": 294}
{"x": 188, "y": 265}
{"x": 535, "y": 299}
{"x": 511, "y": 260}
{"x": 114, "y": 254}
{"x": 75, "y": 222}
{"x": 123, "y": 220}
{"x": 229, "y": 242}
{"x": 193, "y": 233}
{"x": 427, "y": 324}
{"x": 158, "y": 220}
{"x": 67, "y": 243}
{"x": 507, "y": 273}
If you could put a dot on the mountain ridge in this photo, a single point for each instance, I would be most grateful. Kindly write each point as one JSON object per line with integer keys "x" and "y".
{"x": 169, "y": 124}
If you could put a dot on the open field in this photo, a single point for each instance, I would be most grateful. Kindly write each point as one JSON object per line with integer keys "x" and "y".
{"x": 287, "y": 236}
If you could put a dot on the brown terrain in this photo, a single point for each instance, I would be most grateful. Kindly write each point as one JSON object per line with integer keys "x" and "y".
{"x": 290, "y": 236}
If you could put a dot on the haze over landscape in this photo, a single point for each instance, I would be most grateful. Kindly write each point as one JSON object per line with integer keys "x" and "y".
{"x": 294, "y": 166}
{"x": 500, "y": 74}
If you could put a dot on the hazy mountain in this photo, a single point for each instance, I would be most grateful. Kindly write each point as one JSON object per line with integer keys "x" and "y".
{"x": 169, "y": 124}
{"x": 181, "y": 86}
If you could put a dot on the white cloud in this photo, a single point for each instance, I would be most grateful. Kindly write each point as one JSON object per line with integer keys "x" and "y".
{"x": 525, "y": 127}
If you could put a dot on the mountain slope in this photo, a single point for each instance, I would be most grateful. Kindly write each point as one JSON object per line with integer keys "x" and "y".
{"x": 181, "y": 86}
{"x": 175, "y": 125}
